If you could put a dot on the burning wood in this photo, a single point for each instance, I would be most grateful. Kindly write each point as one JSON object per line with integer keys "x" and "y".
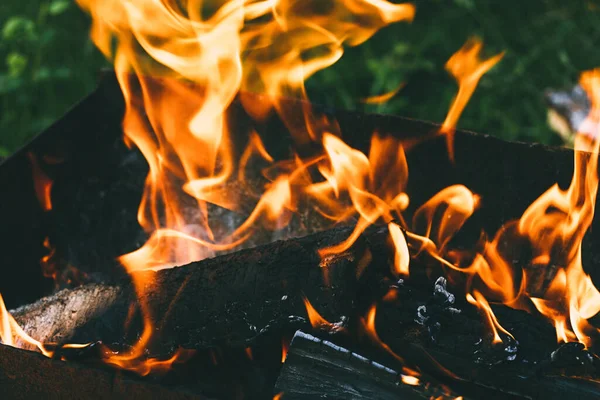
{"x": 315, "y": 366}
{"x": 227, "y": 300}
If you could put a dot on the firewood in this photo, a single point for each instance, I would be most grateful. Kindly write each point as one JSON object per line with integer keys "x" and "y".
{"x": 314, "y": 368}
{"x": 27, "y": 375}
{"x": 226, "y": 300}
{"x": 439, "y": 333}
{"x": 56, "y": 318}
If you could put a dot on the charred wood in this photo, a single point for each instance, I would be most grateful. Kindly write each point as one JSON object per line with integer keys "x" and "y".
{"x": 449, "y": 338}
{"x": 315, "y": 368}
{"x": 227, "y": 300}
{"x": 28, "y": 375}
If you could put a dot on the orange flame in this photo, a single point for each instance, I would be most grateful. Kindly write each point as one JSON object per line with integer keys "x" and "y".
{"x": 466, "y": 67}
{"x": 383, "y": 98}
{"x": 316, "y": 320}
{"x": 402, "y": 257}
{"x": 12, "y": 334}
{"x": 369, "y": 328}
{"x": 264, "y": 50}
{"x": 374, "y": 185}
{"x": 284, "y": 349}
{"x": 556, "y": 224}
{"x": 42, "y": 183}
{"x": 214, "y": 50}
{"x": 249, "y": 353}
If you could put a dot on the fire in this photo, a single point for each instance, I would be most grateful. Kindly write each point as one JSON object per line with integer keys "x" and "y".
{"x": 402, "y": 257}
{"x": 284, "y": 349}
{"x": 410, "y": 380}
{"x": 466, "y": 67}
{"x": 374, "y": 185}
{"x": 383, "y": 98}
{"x": 211, "y": 51}
{"x": 181, "y": 65}
{"x": 369, "y": 328}
{"x": 316, "y": 320}
{"x": 135, "y": 362}
{"x": 13, "y": 335}
{"x": 555, "y": 225}
{"x": 219, "y": 49}
{"x": 42, "y": 183}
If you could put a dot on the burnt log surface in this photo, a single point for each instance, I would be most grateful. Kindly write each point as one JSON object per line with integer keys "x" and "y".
{"x": 98, "y": 184}
{"x": 443, "y": 335}
{"x": 315, "y": 368}
{"x": 220, "y": 306}
{"x": 56, "y": 318}
{"x": 27, "y": 375}
{"x": 227, "y": 300}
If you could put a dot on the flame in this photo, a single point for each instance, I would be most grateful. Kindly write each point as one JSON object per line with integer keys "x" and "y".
{"x": 48, "y": 262}
{"x": 555, "y": 225}
{"x": 402, "y": 257}
{"x": 383, "y": 98}
{"x": 249, "y": 354}
{"x": 209, "y": 52}
{"x": 42, "y": 183}
{"x": 480, "y": 301}
{"x": 179, "y": 75}
{"x": 144, "y": 366}
{"x": 268, "y": 47}
{"x": 466, "y": 67}
{"x": 374, "y": 185}
{"x": 410, "y": 380}
{"x": 13, "y": 335}
{"x": 284, "y": 349}
{"x": 316, "y": 320}
{"x": 368, "y": 324}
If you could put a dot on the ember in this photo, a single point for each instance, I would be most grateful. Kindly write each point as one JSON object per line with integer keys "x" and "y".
{"x": 395, "y": 276}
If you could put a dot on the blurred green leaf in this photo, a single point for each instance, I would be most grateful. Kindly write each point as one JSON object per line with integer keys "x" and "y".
{"x": 16, "y": 63}
{"x": 58, "y": 7}
{"x": 16, "y": 28}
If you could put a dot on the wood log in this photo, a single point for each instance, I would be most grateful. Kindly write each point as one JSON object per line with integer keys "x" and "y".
{"x": 438, "y": 333}
{"x": 315, "y": 368}
{"x": 28, "y": 375}
{"x": 228, "y": 300}
{"x": 56, "y": 318}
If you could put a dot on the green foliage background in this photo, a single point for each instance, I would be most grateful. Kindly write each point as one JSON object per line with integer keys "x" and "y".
{"x": 47, "y": 63}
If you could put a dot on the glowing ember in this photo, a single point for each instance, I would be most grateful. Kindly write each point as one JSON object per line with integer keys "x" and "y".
{"x": 410, "y": 380}
{"x": 284, "y": 349}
